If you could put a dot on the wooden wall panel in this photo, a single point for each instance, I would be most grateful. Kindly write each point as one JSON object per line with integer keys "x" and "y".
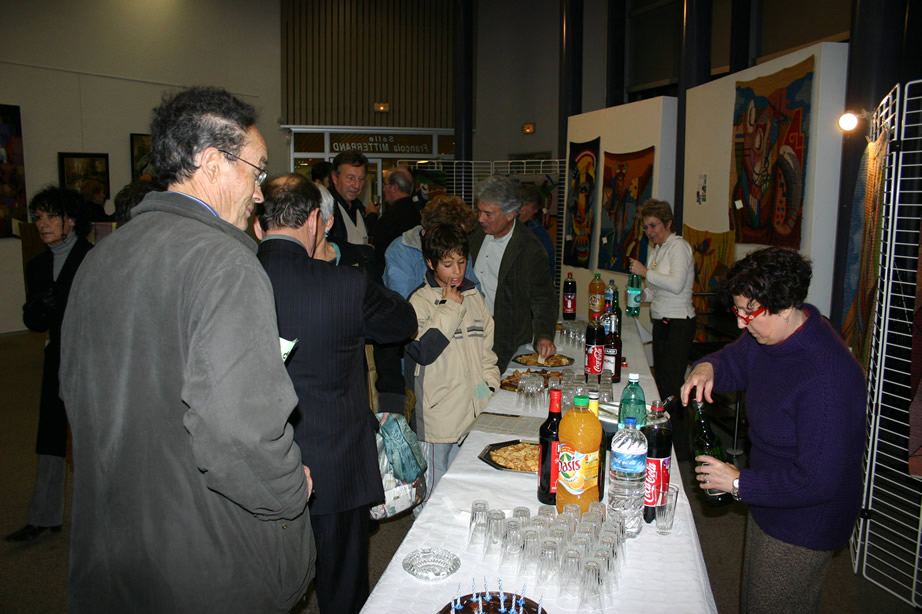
{"x": 339, "y": 57}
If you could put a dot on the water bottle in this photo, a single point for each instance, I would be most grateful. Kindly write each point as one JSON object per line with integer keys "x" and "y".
{"x": 633, "y": 403}
{"x": 634, "y": 288}
{"x": 628, "y": 468}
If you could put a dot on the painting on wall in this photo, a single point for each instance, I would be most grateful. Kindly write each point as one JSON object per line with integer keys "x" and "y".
{"x": 77, "y": 169}
{"x": 582, "y": 170}
{"x": 626, "y": 184}
{"x": 141, "y": 164}
{"x": 771, "y": 120}
{"x": 12, "y": 170}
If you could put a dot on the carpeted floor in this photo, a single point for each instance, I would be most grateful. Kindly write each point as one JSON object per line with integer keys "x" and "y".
{"x": 33, "y": 577}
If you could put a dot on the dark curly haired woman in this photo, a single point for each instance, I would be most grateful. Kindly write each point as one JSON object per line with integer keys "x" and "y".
{"x": 805, "y": 400}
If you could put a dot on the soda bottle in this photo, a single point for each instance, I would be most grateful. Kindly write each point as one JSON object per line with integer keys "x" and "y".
{"x": 578, "y": 460}
{"x": 634, "y": 288}
{"x": 548, "y": 436}
{"x": 628, "y": 468}
{"x": 658, "y": 432}
{"x": 569, "y": 298}
{"x": 611, "y": 290}
{"x": 612, "y": 359}
{"x": 616, "y": 310}
{"x": 633, "y": 403}
{"x": 706, "y": 441}
{"x": 596, "y": 296}
{"x": 595, "y": 349}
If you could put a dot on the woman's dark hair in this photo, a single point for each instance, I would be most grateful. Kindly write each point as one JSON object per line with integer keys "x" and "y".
{"x": 776, "y": 278}
{"x": 54, "y": 200}
{"x": 443, "y": 240}
{"x": 191, "y": 121}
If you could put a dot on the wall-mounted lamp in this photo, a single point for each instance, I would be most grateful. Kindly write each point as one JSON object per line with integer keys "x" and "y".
{"x": 849, "y": 120}
{"x": 528, "y": 128}
{"x": 382, "y": 107}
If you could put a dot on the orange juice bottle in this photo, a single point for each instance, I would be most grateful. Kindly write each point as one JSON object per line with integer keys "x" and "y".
{"x": 578, "y": 475}
{"x": 596, "y": 297}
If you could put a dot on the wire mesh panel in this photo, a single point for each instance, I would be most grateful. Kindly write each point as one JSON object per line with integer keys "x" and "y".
{"x": 887, "y": 541}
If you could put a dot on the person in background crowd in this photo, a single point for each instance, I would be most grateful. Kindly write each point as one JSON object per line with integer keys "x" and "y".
{"x": 320, "y": 173}
{"x": 348, "y": 181}
{"x": 331, "y": 311}
{"x": 805, "y": 401}
{"x": 401, "y": 215}
{"x": 670, "y": 277}
{"x": 452, "y": 356}
{"x": 512, "y": 268}
{"x": 95, "y": 194}
{"x": 129, "y": 197}
{"x": 530, "y": 213}
{"x": 59, "y": 217}
{"x": 405, "y": 267}
{"x": 189, "y": 493}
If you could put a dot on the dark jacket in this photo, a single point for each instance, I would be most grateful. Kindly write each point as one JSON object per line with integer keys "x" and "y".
{"x": 46, "y": 299}
{"x": 525, "y": 308}
{"x": 331, "y": 310}
{"x": 189, "y": 492}
{"x": 356, "y": 210}
{"x": 401, "y": 216}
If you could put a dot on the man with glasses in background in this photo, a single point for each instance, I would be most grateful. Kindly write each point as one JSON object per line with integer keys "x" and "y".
{"x": 189, "y": 492}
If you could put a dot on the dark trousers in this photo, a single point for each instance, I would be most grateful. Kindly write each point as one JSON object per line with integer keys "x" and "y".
{"x": 342, "y": 560}
{"x": 390, "y": 384}
{"x": 672, "y": 339}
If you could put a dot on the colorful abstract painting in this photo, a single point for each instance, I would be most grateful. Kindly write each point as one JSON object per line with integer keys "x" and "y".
{"x": 771, "y": 120}
{"x": 863, "y": 259}
{"x": 12, "y": 170}
{"x": 714, "y": 254}
{"x": 626, "y": 184}
{"x": 582, "y": 172}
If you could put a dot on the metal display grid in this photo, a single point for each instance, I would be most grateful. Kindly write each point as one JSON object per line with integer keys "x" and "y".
{"x": 887, "y": 543}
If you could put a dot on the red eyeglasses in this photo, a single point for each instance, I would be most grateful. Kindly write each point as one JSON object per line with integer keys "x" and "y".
{"x": 747, "y": 318}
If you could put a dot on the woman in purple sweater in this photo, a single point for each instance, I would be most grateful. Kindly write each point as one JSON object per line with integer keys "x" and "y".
{"x": 805, "y": 400}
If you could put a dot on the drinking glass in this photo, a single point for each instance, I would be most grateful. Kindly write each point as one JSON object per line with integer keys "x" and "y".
{"x": 665, "y": 514}
{"x": 478, "y": 525}
{"x": 591, "y": 595}
{"x": 548, "y": 562}
{"x": 496, "y": 520}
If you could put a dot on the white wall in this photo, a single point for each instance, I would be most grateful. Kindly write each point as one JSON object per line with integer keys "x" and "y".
{"x": 625, "y": 128}
{"x": 708, "y": 149}
{"x": 87, "y": 74}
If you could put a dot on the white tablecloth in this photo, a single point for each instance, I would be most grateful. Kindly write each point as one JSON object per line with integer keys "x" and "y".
{"x": 664, "y": 573}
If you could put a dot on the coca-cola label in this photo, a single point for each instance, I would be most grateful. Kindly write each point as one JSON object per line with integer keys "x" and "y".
{"x": 554, "y": 460}
{"x": 569, "y": 303}
{"x": 656, "y": 481}
{"x": 578, "y": 472}
{"x": 595, "y": 357}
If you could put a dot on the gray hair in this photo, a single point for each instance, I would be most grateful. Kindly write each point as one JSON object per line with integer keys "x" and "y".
{"x": 402, "y": 178}
{"x": 499, "y": 191}
{"x": 327, "y": 203}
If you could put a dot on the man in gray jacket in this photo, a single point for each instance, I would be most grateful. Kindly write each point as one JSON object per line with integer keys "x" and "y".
{"x": 189, "y": 492}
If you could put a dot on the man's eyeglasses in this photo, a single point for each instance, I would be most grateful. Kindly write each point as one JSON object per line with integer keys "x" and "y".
{"x": 262, "y": 173}
{"x": 747, "y": 318}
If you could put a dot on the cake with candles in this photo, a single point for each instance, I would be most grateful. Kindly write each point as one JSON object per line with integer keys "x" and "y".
{"x": 492, "y": 602}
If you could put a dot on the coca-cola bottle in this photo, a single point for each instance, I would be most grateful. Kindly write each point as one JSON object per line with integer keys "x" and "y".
{"x": 595, "y": 349}
{"x": 658, "y": 432}
{"x": 706, "y": 441}
{"x": 569, "y": 298}
{"x": 549, "y": 438}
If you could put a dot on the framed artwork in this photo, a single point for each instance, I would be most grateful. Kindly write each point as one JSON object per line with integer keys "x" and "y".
{"x": 77, "y": 169}
{"x": 141, "y": 166}
{"x": 12, "y": 170}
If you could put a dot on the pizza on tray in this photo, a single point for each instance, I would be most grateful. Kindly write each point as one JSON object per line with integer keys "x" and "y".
{"x": 531, "y": 360}
{"x": 511, "y": 381}
{"x": 522, "y": 456}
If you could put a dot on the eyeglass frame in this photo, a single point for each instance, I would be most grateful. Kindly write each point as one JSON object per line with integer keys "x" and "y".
{"x": 263, "y": 173}
{"x": 747, "y": 319}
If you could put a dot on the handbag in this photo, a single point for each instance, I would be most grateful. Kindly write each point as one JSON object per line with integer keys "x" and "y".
{"x": 402, "y": 466}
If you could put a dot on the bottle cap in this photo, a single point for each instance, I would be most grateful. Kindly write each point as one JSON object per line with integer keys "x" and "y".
{"x": 630, "y": 421}
{"x": 593, "y": 394}
{"x": 633, "y": 377}
{"x": 581, "y": 400}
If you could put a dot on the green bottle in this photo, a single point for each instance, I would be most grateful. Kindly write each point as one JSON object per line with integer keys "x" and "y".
{"x": 706, "y": 441}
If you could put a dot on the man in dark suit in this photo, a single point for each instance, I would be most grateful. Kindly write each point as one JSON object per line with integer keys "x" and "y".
{"x": 330, "y": 310}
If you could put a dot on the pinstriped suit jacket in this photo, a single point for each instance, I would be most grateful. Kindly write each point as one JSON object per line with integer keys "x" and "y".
{"x": 331, "y": 310}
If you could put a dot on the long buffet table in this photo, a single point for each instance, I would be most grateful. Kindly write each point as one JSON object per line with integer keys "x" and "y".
{"x": 663, "y": 573}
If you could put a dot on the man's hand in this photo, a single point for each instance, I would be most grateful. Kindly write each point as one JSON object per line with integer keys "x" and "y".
{"x": 545, "y": 348}
{"x": 310, "y": 482}
{"x": 702, "y": 379}
{"x": 453, "y": 294}
{"x": 372, "y": 207}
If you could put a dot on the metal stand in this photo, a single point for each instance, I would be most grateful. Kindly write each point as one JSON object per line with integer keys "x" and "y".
{"x": 735, "y": 450}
